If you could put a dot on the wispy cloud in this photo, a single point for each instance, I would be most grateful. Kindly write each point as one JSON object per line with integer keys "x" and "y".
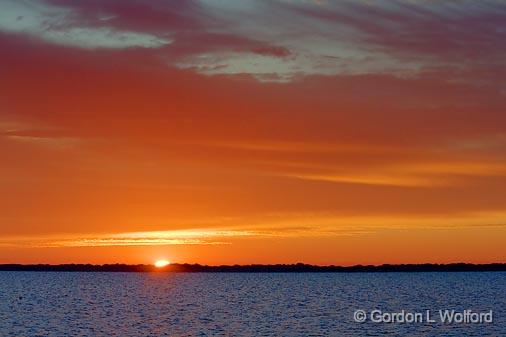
{"x": 161, "y": 238}
{"x": 273, "y": 226}
{"x": 282, "y": 39}
{"x": 59, "y": 25}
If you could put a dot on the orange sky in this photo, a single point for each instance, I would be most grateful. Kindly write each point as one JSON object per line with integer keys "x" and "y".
{"x": 224, "y": 132}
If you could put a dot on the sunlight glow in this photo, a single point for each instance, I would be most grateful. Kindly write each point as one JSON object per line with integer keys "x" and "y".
{"x": 161, "y": 263}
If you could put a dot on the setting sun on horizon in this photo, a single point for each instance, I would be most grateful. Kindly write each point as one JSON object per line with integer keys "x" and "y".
{"x": 161, "y": 263}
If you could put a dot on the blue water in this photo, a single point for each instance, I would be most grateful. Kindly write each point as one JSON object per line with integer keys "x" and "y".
{"x": 160, "y": 304}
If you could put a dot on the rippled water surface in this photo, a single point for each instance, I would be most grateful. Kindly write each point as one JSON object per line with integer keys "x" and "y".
{"x": 276, "y": 304}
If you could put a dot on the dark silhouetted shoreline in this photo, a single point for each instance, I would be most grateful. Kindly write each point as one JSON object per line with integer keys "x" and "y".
{"x": 276, "y": 268}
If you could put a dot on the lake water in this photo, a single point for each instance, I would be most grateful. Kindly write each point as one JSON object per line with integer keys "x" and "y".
{"x": 276, "y": 304}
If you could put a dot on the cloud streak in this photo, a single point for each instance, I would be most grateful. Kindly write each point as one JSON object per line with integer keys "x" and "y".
{"x": 271, "y": 227}
{"x": 58, "y": 25}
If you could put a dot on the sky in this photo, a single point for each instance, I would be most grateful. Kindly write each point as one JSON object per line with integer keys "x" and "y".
{"x": 280, "y": 131}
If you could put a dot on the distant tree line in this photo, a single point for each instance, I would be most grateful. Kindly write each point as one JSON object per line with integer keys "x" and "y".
{"x": 258, "y": 268}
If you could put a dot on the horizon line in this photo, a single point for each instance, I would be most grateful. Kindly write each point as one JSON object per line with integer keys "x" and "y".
{"x": 256, "y": 268}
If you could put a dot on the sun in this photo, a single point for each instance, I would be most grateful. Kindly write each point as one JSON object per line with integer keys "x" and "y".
{"x": 161, "y": 263}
